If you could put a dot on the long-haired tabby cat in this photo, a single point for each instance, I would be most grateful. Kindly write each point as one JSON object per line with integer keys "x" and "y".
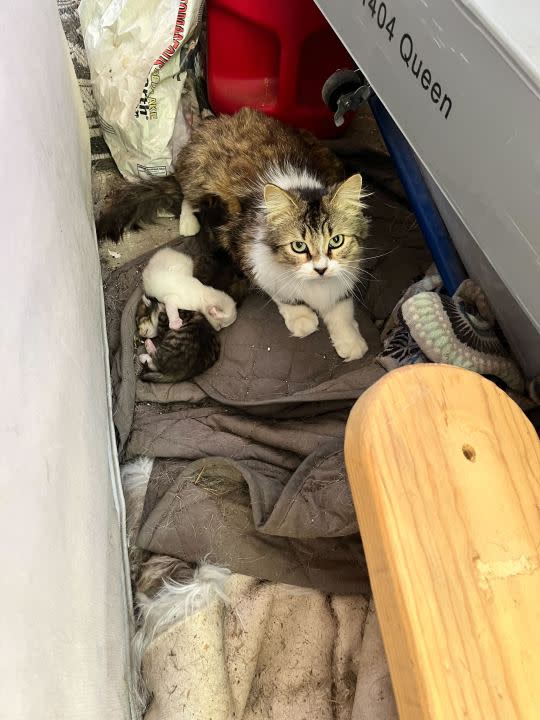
{"x": 174, "y": 355}
{"x": 292, "y": 223}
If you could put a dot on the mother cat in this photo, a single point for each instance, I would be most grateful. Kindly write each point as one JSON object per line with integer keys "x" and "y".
{"x": 292, "y": 224}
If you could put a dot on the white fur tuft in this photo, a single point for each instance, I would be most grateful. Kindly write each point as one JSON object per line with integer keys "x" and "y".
{"x": 287, "y": 177}
{"x": 188, "y": 224}
{"x": 174, "y": 603}
{"x": 135, "y": 476}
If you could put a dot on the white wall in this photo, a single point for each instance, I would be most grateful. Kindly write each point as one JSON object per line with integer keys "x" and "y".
{"x": 63, "y": 620}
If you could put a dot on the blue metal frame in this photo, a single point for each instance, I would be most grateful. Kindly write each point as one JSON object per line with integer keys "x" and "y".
{"x": 433, "y": 228}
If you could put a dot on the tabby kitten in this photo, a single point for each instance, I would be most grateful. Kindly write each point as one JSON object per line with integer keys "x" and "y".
{"x": 174, "y": 355}
{"x": 291, "y": 221}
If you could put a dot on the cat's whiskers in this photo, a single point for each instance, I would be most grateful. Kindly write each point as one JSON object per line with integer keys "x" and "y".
{"x": 351, "y": 282}
{"x": 375, "y": 257}
{"x": 363, "y": 272}
{"x": 291, "y": 286}
{"x": 351, "y": 270}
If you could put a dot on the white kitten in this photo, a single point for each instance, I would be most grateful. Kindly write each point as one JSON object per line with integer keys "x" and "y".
{"x": 168, "y": 277}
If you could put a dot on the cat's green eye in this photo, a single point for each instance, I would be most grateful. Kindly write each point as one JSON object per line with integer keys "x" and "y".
{"x": 299, "y": 246}
{"x": 336, "y": 242}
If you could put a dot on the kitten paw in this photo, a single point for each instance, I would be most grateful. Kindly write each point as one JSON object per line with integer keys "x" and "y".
{"x": 145, "y": 359}
{"x": 175, "y": 324}
{"x": 350, "y": 345}
{"x": 219, "y": 317}
{"x": 150, "y": 347}
{"x": 300, "y": 320}
{"x": 188, "y": 225}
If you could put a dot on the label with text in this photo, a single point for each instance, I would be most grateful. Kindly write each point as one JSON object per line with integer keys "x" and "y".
{"x": 385, "y": 21}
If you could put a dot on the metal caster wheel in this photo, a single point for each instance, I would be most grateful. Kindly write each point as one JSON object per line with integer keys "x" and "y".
{"x": 345, "y": 91}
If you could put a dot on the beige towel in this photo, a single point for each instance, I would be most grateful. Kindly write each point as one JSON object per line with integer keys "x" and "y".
{"x": 271, "y": 652}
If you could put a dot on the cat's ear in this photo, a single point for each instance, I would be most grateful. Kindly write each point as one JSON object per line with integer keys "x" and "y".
{"x": 278, "y": 203}
{"x": 348, "y": 195}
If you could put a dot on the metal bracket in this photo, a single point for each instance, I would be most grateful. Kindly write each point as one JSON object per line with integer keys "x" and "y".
{"x": 351, "y": 101}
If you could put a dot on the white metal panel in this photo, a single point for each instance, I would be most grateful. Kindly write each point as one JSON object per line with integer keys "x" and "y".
{"x": 471, "y": 111}
{"x": 63, "y": 613}
{"x": 515, "y": 25}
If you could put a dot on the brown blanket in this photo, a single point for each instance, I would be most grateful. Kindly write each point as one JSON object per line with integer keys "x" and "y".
{"x": 262, "y": 369}
{"x": 249, "y": 471}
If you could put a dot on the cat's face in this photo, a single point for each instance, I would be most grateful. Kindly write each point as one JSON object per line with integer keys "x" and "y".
{"x": 147, "y": 317}
{"x": 320, "y": 238}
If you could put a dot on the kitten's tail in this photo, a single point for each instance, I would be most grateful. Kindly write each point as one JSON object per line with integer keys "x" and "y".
{"x": 135, "y": 203}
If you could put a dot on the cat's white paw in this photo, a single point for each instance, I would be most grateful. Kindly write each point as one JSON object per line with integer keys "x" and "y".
{"x": 146, "y": 359}
{"x": 349, "y": 344}
{"x": 304, "y": 325}
{"x": 221, "y": 316}
{"x": 300, "y": 320}
{"x": 175, "y": 323}
{"x": 188, "y": 225}
{"x": 150, "y": 347}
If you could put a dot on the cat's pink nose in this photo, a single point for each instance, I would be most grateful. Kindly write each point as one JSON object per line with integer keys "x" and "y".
{"x": 321, "y": 270}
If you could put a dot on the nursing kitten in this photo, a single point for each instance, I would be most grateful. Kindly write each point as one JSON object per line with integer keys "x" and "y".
{"x": 174, "y": 355}
{"x": 291, "y": 222}
{"x": 147, "y": 317}
{"x": 168, "y": 277}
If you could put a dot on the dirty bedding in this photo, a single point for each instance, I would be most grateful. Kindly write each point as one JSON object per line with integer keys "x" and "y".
{"x": 269, "y": 418}
{"x": 249, "y": 475}
{"x": 271, "y": 651}
{"x": 262, "y": 429}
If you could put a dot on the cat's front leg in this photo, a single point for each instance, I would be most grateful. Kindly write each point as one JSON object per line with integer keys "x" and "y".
{"x": 188, "y": 223}
{"x": 344, "y": 332}
{"x": 299, "y": 319}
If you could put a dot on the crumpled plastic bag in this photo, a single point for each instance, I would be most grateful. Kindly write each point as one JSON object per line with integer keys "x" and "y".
{"x": 138, "y": 52}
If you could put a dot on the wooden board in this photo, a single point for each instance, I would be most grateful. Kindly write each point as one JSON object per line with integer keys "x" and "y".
{"x": 445, "y": 475}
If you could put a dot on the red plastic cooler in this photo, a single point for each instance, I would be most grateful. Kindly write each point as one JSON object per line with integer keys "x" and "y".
{"x": 273, "y": 56}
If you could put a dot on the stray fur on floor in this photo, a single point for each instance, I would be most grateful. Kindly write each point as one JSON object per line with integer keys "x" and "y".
{"x": 174, "y": 604}
{"x": 135, "y": 476}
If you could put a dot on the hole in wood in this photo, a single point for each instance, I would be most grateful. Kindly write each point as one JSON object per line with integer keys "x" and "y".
{"x": 469, "y": 452}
